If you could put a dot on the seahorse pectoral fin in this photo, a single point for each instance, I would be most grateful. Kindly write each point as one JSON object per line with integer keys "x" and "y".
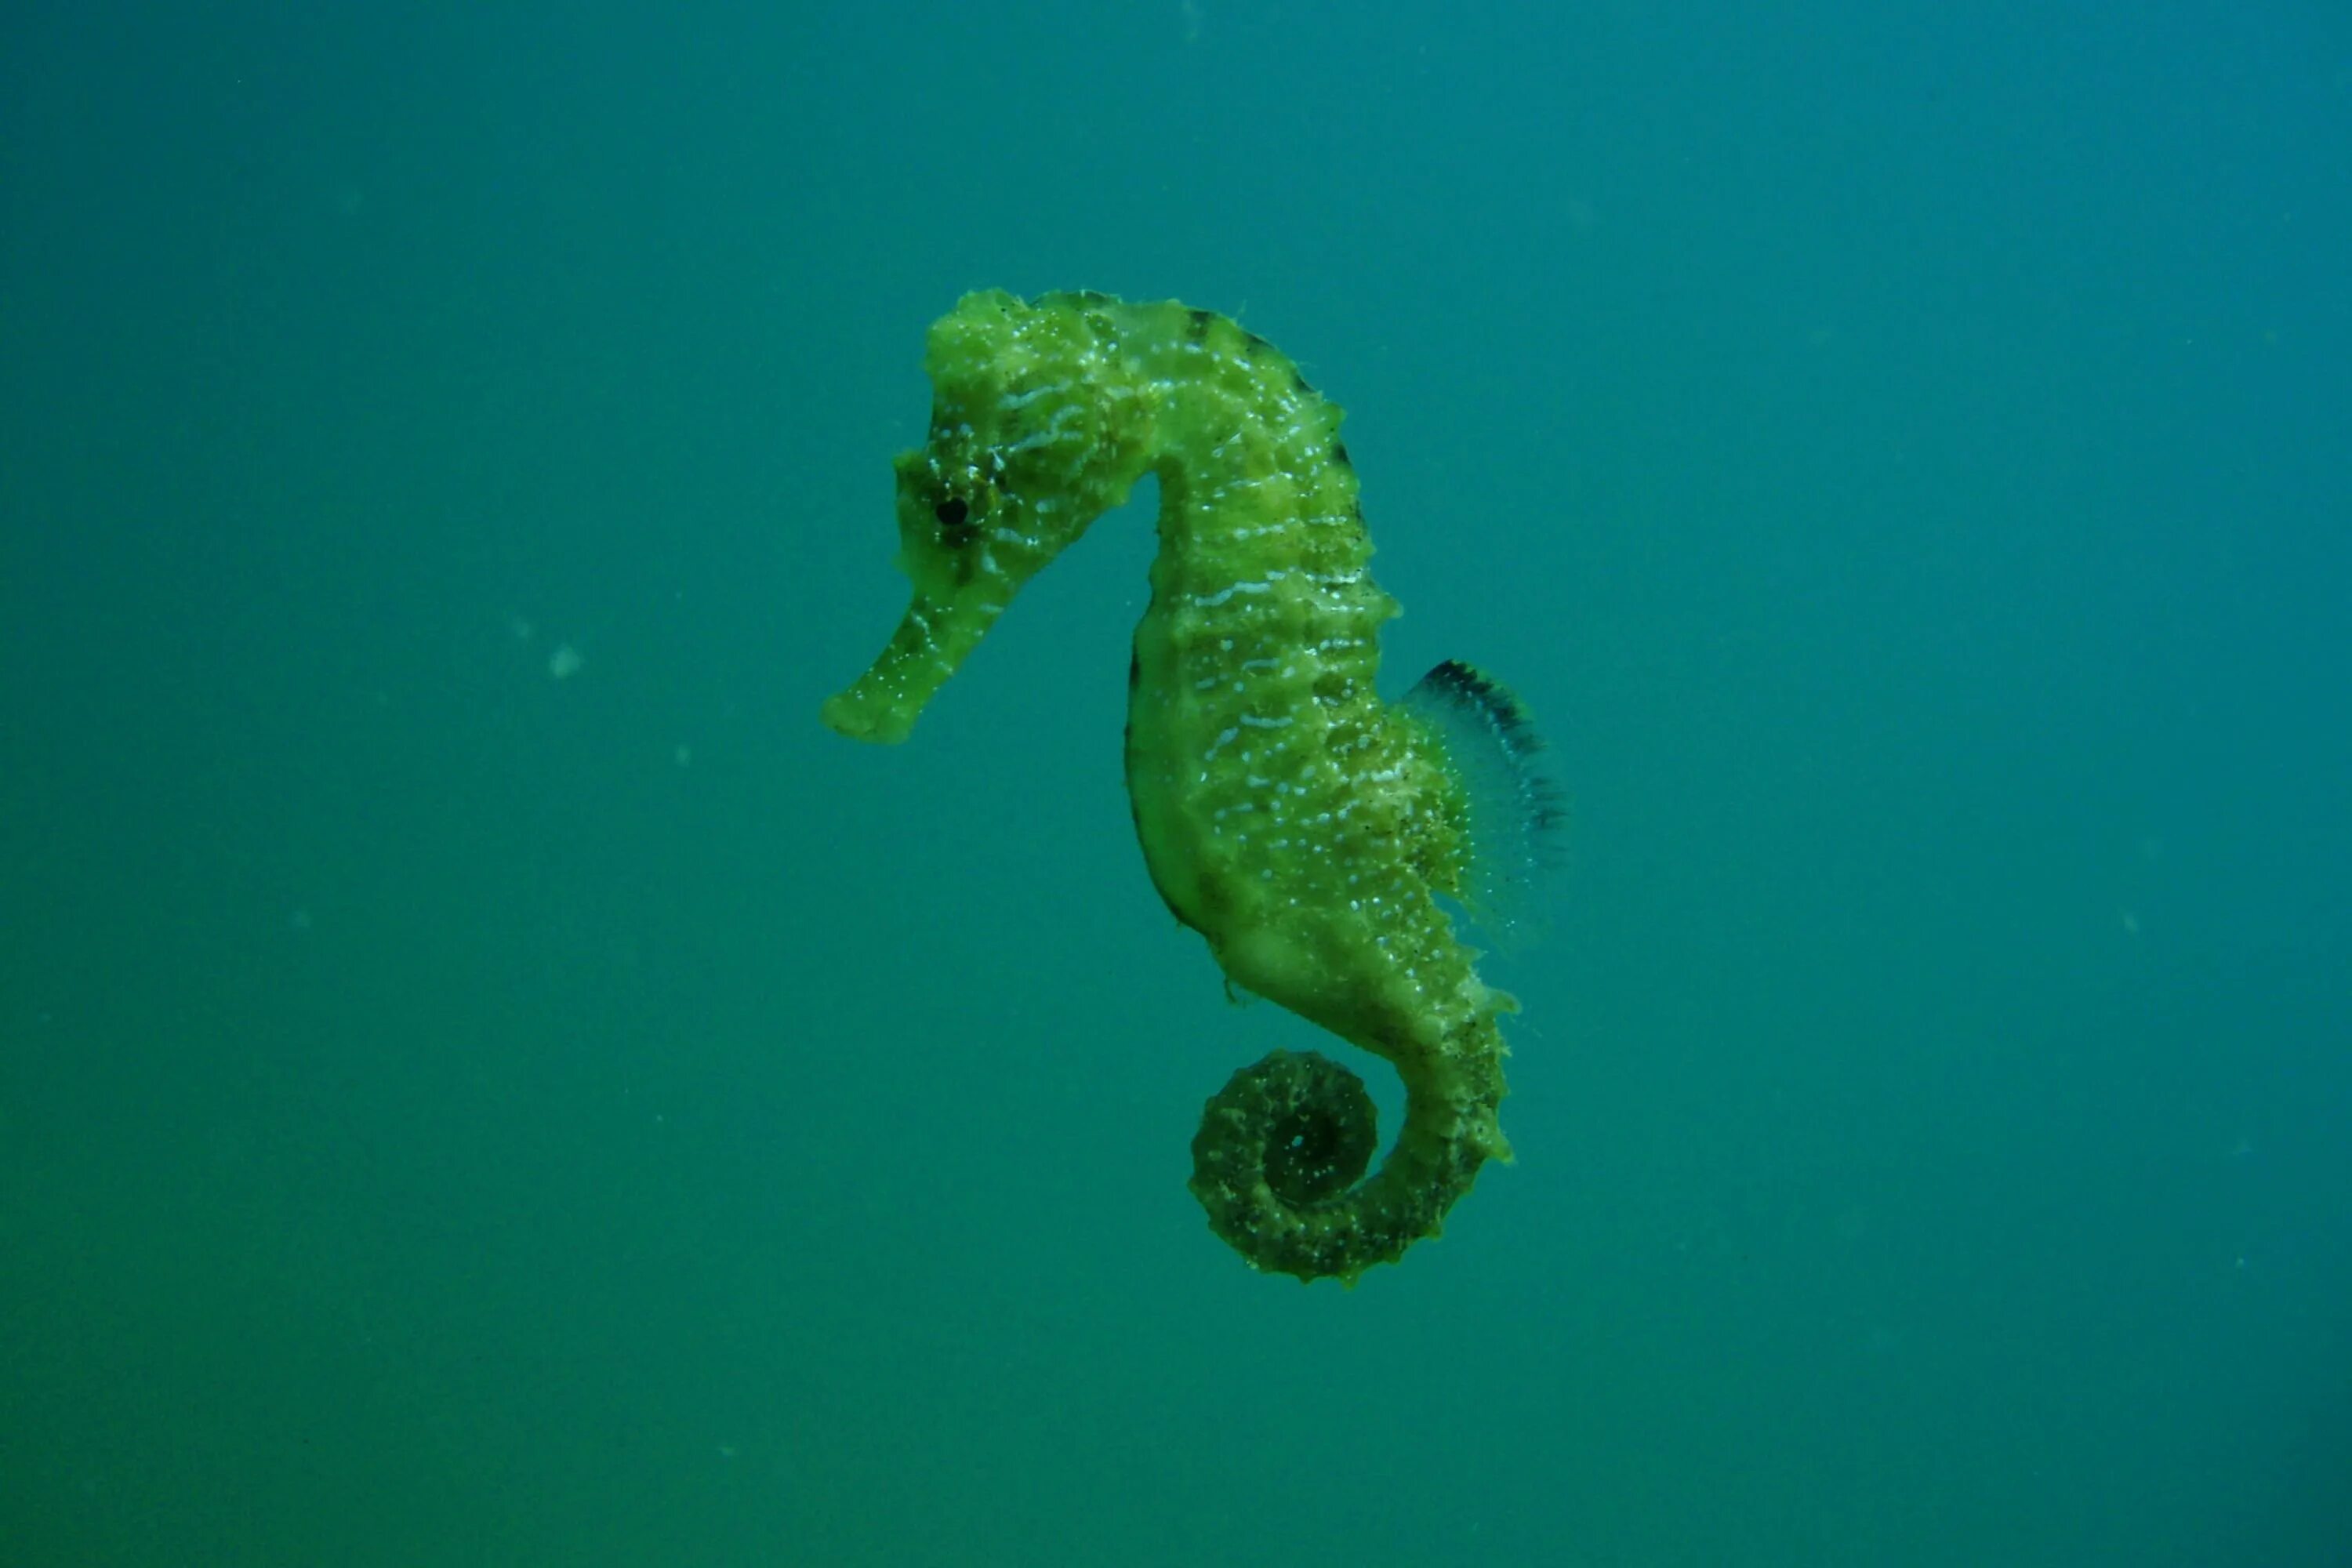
{"x": 931, "y": 642}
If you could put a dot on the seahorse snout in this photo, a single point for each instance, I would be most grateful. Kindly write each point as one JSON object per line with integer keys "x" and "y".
{"x": 932, "y": 640}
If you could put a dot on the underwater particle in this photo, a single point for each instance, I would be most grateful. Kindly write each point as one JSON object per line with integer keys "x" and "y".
{"x": 564, "y": 662}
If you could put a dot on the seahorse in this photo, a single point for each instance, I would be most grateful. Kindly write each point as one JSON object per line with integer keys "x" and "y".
{"x": 1304, "y": 827}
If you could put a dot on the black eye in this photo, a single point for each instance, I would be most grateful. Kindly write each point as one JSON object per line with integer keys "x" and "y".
{"x": 952, "y": 512}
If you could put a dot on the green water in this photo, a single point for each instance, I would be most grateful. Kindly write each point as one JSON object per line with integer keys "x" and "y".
{"x": 486, "y": 1079}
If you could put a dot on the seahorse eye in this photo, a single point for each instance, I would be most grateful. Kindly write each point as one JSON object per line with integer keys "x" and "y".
{"x": 952, "y": 512}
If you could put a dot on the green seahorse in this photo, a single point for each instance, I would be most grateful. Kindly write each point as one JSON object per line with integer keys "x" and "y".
{"x": 1300, "y": 823}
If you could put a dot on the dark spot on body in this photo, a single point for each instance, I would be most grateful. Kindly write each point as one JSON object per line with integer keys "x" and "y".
{"x": 1339, "y": 455}
{"x": 1197, "y": 324}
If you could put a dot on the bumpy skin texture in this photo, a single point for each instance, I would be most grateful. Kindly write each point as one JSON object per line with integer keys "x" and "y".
{"x": 1287, "y": 815}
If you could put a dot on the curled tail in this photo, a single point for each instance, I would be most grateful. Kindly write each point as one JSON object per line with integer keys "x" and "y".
{"x": 1278, "y": 1165}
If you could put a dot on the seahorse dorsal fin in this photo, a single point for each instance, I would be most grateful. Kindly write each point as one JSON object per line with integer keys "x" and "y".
{"x": 1514, "y": 808}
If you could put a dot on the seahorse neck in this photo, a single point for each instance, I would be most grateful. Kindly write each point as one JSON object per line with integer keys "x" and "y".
{"x": 1242, "y": 448}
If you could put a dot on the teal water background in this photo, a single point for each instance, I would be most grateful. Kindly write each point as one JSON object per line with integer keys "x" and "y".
{"x": 453, "y": 1112}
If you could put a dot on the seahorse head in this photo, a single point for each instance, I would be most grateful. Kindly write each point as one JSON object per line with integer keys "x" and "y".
{"x": 1036, "y": 432}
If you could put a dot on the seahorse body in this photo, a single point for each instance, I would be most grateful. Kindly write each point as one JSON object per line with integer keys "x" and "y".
{"x": 1287, "y": 813}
